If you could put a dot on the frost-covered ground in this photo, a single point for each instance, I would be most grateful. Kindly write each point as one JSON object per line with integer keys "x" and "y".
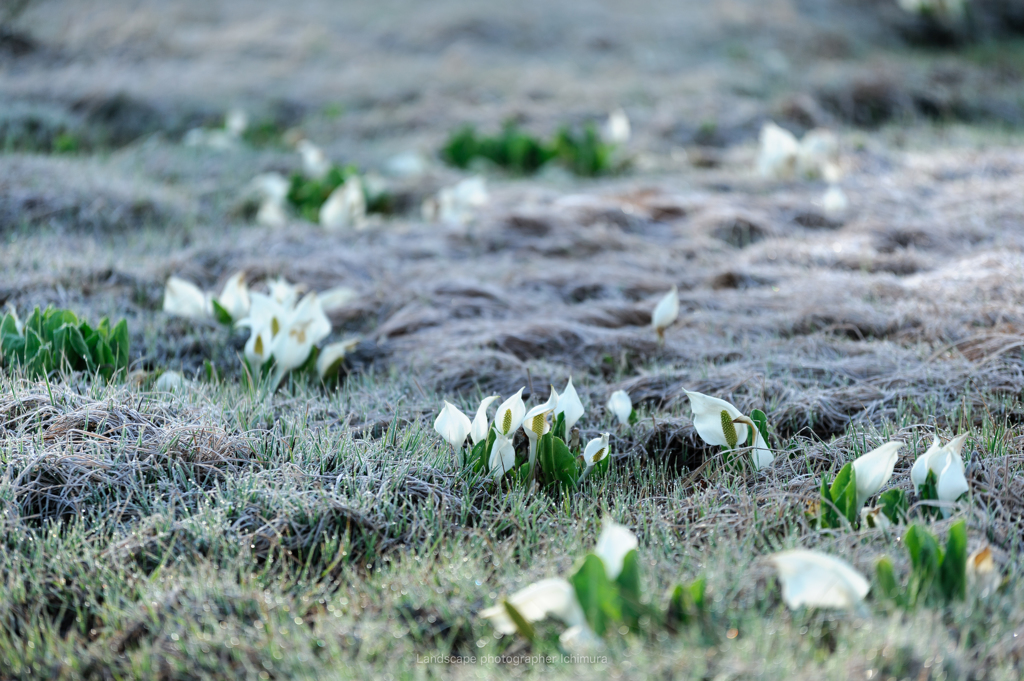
{"x": 220, "y": 532}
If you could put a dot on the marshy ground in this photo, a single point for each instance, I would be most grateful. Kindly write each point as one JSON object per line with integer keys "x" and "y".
{"x": 325, "y": 532}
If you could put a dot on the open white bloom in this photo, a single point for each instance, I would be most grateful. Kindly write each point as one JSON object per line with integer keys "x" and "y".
{"x": 510, "y": 415}
{"x": 666, "y": 312}
{"x": 337, "y": 297}
{"x": 168, "y": 381}
{"x": 614, "y": 542}
{"x": 596, "y": 450}
{"x": 620, "y": 405}
{"x": 778, "y": 152}
{"x": 257, "y": 347}
{"x": 707, "y": 419}
{"x": 305, "y": 326}
{"x": 266, "y": 319}
{"x": 407, "y": 164}
{"x": 271, "y": 214}
{"x": 818, "y": 580}
{"x": 185, "y": 299}
{"x": 480, "y": 427}
{"x": 331, "y": 356}
{"x": 617, "y": 129}
{"x": 983, "y": 576}
{"x": 236, "y": 122}
{"x": 535, "y": 423}
{"x": 345, "y": 207}
{"x": 554, "y": 597}
{"x": 935, "y": 460}
{"x": 284, "y": 293}
{"x": 819, "y": 148}
{"x": 270, "y": 186}
{"x": 952, "y": 483}
{"x": 874, "y": 518}
{"x": 503, "y": 457}
{"x": 315, "y": 163}
{"x": 834, "y": 202}
{"x": 458, "y": 204}
{"x": 874, "y": 469}
{"x": 570, "y": 405}
{"x": 234, "y": 297}
{"x": 452, "y": 425}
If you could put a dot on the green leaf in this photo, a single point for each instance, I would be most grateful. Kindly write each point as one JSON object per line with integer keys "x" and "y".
{"x": 557, "y": 464}
{"x": 888, "y": 587}
{"x": 761, "y": 421}
{"x": 475, "y": 461}
{"x": 596, "y": 594}
{"x": 523, "y": 626}
{"x": 8, "y": 327}
{"x": 844, "y": 493}
{"x": 628, "y": 582}
{"x": 953, "y": 571}
{"x": 558, "y": 429}
{"x": 930, "y": 492}
{"x": 894, "y": 505}
{"x": 827, "y": 516}
{"x": 925, "y": 558}
{"x": 686, "y": 604}
{"x": 220, "y": 314}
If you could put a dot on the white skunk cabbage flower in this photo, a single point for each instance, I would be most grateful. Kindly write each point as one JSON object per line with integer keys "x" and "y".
{"x": 337, "y": 297}
{"x": 458, "y": 204}
{"x": 284, "y": 293}
{"x": 315, "y": 163}
{"x": 234, "y": 297}
{"x": 236, "y": 122}
{"x": 596, "y": 450}
{"x": 271, "y": 214}
{"x": 982, "y": 573}
{"x": 554, "y": 597}
{"x": 168, "y": 381}
{"x": 570, "y": 405}
{"x": 452, "y": 425}
{"x": 834, "y": 202}
{"x": 407, "y": 164}
{"x": 266, "y": 319}
{"x": 952, "y": 483}
{"x": 270, "y": 186}
{"x": 874, "y": 518}
{"x": 616, "y": 129}
{"x": 305, "y": 326}
{"x": 778, "y": 152}
{"x": 184, "y": 299}
{"x": 712, "y": 427}
{"x": 345, "y": 207}
{"x": 620, "y": 405}
{"x": 817, "y": 580}
{"x": 614, "y": 542}
{"x": 503, "y": 457}
{"x": 935, "y": 460}
{"x": 874, "y": 469}
{"x": 818, "y": 150}
{"x": 665, "y": 312}
{"x": 257, "y": 347}
{"x": 331, "y": 356}
{"x": 480, "y": 427}
{"x": 510, "y": 415}
{"x": 535, "y": 423}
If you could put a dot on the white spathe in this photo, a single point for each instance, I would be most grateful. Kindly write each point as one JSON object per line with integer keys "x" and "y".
{"x": 952, "y": 484}
{"x": 305, "y": 326}
{"x": 345, "y": 207}
{"x": 510, "y": 415}
{"x": 337, "y": 297}
{"x": 185, "y": 299}
{"x": 707, "y": 419}
{"x": 778, "y": 152}
{"x": 331, "y": 356}
{"x": 570, "y": 405}
{"x": 503, "y": 457}
{"x": 874, "y": 469}
{"x": 479, "y": 430}
{"x": 169, "y": 381}
{"x": 236, "y": 122}
{"x": 818, "y": 150}
{"x": 620, "y": 405}
{"x": 936, "y": 458}
{"x": 596, "y": 450}
{"x": 617, "y": 129}
{"x": 283, "y": 292}
{"x": 271, "y": 214}
{"x": 817, "y": 580}
{"x": 452, "y": 425}
{"x": 666, "y": 311}
{"x": 234, "y": 297}
{"x": 554, "y": 597}
{"x": 614, "y": 542}
{"x": 315, "y": 163}
{"x": 459, "y": 203}
{"x": 834, "y": 202}
{"x": 536, "y": 425}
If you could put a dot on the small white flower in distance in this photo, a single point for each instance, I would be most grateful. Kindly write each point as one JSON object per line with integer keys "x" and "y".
{"x": 819, "y": 148}
{"x": 185, "y": 299}
{"x": 169, "y": 381}
{"x": 337, "y": 297}
{"x": 315, "y": 163}
{"x": 285, "y": 293}
{"x": 817, "y": 580}
{"x": 459, "y": 203}
{"x": 480, "y": 428}
{"x": 982, "y": 573}
{"x": 936, "y": 458}
{"x": 874, "y": 469}
{"x": 345, "y": 207}
{"x": 873, "y": 518}
{"x": 570, "y": 405}
{"x": 596, "y": 450}
{"x": 620, "y": 405}
{"x": 234, "y": 297}
{"x": 332, "y": 355}
{"x": 617, "y": 129}
{"x": 553, "y": 597}
{"x": 778, "y": 152}
{"x": 666, "y": 312}
{"x": 614, "y": 542}
{"x": 452, "y": 425}
{"x": 270, "y": 187}
{"x": 236, "y": 122}
{"x": 305, "y": 326}
{"x": 834, "y": 202}
{"x": 271, "y": 214}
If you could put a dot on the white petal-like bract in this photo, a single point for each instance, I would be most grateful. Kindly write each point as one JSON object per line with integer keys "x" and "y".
{"x": 510, "y": 414}
{"x": 452, "y": 425}
{"x": 345, "y": 207}
{"x": 614, "y": 542}
{"x": 874, "y": 469}
{"x": 952, "y": 484}
{"x": 332, "y": 355}
{"x": 185, "y": 299}
{"x": 707, "y": 419}
{"x": 234, "y": 297}
{"x": 666, "y": 311}
{"x": 480, "y": 423}
{"x": 596, "y": 450}
{"x": 503, "y": 457}
{"x": 778, "y": 152}
{"x": 817, "y": 580}
{"x": 570, "y": 405}
{"x": 554, "y": 597}
{"x": 169, "y": 380}
{"x": 620, "y": 405}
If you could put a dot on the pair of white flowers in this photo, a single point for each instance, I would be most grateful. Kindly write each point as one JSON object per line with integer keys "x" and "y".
{"x": 284, "y": 330}
{"x": 720, "y": 423}
{"x": 457, "y": 204}
{"x": 236, "y": 122}
{"x": 555, "y": 597}
{"x": 184, "y": 299}
{"x": 454, "y": 426}
{"x": 948, "y": 466}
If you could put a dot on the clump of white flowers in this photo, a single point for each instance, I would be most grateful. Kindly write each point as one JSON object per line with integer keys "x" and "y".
{"x": 236, "y": 122}
{"x": 182, "y": 298}
{"x": 720, "y": 423}
{"x": 781, "y": 156}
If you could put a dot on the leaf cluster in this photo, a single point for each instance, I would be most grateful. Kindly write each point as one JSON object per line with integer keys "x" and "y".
{"x": 937, "y": 576}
